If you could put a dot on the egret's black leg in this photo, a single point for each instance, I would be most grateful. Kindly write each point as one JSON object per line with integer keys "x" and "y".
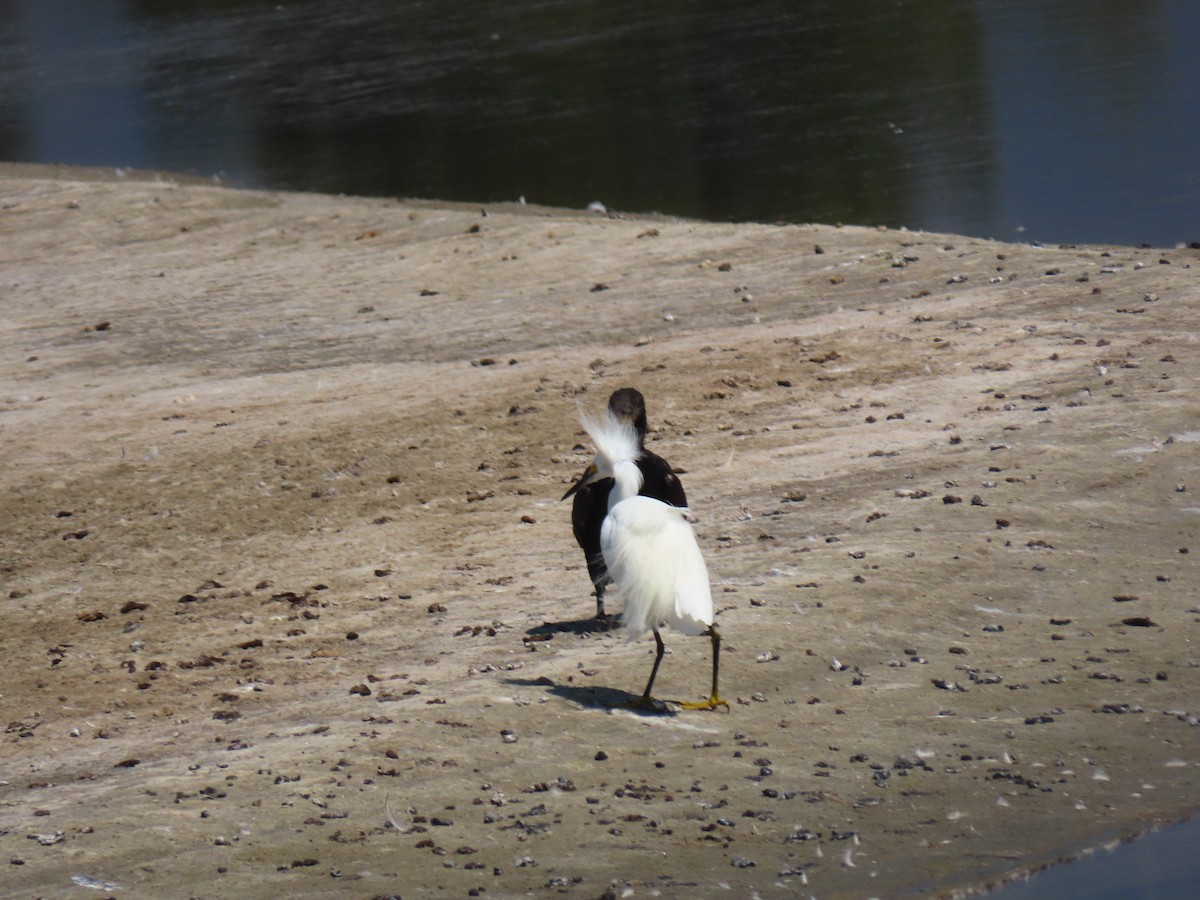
{"x": 657, "y": 661}
{"x": 714, "y": 699}
{"x": 646, "y": 701}
{"x": 600, "y": 600}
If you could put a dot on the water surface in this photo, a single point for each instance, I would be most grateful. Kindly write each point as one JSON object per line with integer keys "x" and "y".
{"x": 1067, "y": 121}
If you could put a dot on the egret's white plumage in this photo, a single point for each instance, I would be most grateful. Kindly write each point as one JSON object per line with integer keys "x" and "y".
{"x": 650, "y": 551}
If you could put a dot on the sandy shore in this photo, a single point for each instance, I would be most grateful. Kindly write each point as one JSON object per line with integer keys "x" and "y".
{"x": 281, "y": 546}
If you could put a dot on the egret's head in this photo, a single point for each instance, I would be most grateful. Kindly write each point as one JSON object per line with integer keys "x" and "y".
{"x": 617, "y": 446}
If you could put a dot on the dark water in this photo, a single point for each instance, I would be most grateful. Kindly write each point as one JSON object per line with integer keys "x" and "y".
{"x": 1163, "y": 865}
{"x": 1073, "y": 120}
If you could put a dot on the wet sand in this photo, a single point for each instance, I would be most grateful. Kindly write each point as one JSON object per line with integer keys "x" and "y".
{"x": 282, "y": 549}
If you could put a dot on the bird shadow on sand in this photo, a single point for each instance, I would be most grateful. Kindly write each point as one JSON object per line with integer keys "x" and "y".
{"x": 605, "y": 699}
{"x": 547, "y": 630}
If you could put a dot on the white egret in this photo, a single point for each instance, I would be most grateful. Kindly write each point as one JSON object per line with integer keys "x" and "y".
{"x": 591, "y": 496}
{"x": 651, "y": 553}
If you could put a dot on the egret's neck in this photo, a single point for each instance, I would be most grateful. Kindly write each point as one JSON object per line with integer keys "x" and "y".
{"x": 627, "y": 481}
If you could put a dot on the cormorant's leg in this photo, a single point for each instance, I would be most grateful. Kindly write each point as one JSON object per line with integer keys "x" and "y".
{"x": 714, "y": 700}
{"x": 600, "y": 600}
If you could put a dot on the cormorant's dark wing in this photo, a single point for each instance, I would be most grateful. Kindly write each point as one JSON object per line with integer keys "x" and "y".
{"x": 587, "y": 516}
{"x": 659, "y": 481}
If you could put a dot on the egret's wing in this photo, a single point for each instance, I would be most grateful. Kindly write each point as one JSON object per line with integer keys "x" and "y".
{"x": 651, "y": 553}
{"x": 693, "y": 595}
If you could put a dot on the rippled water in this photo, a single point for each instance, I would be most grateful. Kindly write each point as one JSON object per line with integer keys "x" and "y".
{"x": 1019, "y": 119}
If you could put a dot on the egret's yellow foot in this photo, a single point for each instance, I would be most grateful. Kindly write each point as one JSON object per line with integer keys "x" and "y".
{"x": 711, "y": 703}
